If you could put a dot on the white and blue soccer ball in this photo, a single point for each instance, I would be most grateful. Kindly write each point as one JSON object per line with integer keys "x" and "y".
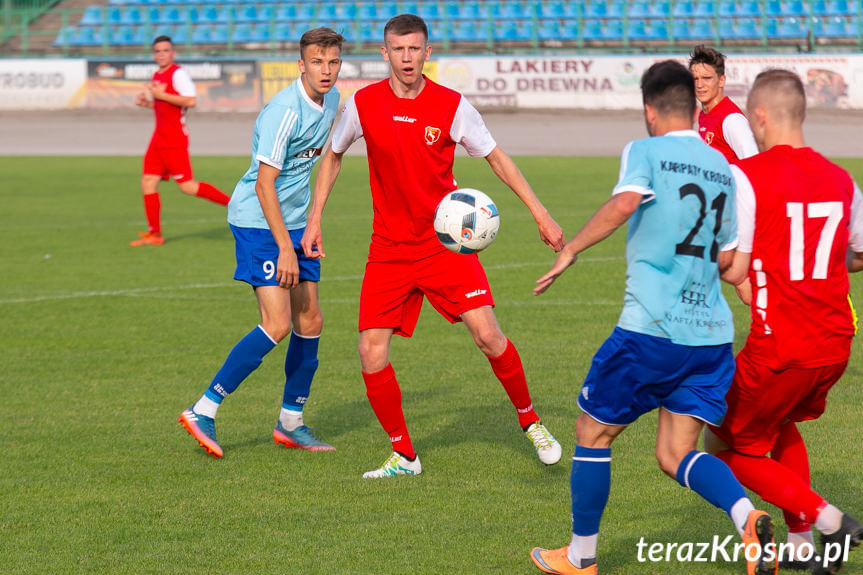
{"x": 466, "y": 221}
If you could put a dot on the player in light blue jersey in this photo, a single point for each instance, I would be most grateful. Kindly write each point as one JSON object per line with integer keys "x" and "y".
{"x": 267, "y": 214}
{"x": 671, "y": 348}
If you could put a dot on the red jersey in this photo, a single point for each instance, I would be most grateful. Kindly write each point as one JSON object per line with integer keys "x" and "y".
{"x": 410, "y": 144}
{"x": 801, "y": 316}
{"x": 726, "y": 129}
{"x": 170, "y": 131}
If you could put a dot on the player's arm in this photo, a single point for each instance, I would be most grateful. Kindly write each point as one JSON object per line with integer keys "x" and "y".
{"x": 610, "y": 216}
{"x": 347, "y": 131}
{"x": 142, "y": 99}
{"x": 287, "y": 268}
{"x": 158, "y": 92}
{"x": 739, "y": 135}
{"x": 505, "y": 169}
{"x": 328, "y": 170}
{"x": 854, "y": 258}
{"x": 736, "y": 272}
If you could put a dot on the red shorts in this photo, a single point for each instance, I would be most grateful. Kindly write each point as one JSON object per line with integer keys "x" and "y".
{"x": 761, "y": 400}
{"x": 393, "y": 289}
{"x": 168, "y": 163}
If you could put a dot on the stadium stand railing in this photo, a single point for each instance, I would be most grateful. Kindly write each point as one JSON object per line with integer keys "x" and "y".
{"x": 271, "y": 26}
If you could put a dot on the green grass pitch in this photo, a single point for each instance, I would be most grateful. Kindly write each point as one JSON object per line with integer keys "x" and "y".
{"x": 103, "y": 345}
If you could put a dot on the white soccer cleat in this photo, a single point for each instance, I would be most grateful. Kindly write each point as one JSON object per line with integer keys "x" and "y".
{"x": 397, "y": 464}
{"x": 547, "y": 447}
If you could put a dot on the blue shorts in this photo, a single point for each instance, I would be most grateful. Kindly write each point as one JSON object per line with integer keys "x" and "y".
{"x": 633, "y": 374}
{"x": 257, "y": 254}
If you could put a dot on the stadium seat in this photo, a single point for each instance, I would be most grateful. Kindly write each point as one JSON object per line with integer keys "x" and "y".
{"x": 167, "y": 15}
{"x": 683, "y": 9}
{"x": 92, "y": 16}
{"x": 552, "y": 9}
{"x": 696, "y": 29}
{"x": 367, "y": 11}
{"x": 131, "y": 16}
{"x": 208, "y": 14}
{"x": 570, "y": 30}
{"x": 638, "y": 9}
{"x": 326, "y": 11}
{"x": 469, "y": 10}
{"x": 440, "y": 30}
{"x": 307, "y": 11}
{"x": 512, "y": 31}
{"x": 705, "y": 8}
{"x": 831, "y": 27}
{"x": 792, "y": 27}
{"x": 286, "y": 13}
{"x": 747, "y": 29}
{"x": 548, "y": 30}
{"x": 345, "y": 12}
{"x": 469, "y": 31}
{"x": 749, "y": 9}
{"x": 595, "y": 9}
{"x": 603, "y": 30}
{"x": 840, "y": 8}
{"x": 429, "y": 11}
{"x": 659, "y": 9}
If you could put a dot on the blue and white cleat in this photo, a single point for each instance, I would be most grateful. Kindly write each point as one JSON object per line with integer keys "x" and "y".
{"x": 203, "y": 429}
{"x": 300, "y": 438}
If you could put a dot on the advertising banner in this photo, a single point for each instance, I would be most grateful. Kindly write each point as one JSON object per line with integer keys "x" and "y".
{"x": 221, "y": 85}
{"x": 42, "y": 84}
{"x": 612, "y": 82}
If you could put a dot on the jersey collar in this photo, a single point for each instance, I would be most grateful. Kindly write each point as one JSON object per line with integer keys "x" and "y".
{"x": 302, "y": 90}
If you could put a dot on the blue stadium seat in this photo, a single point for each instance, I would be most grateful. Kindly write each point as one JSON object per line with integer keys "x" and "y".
{"x": 795, "y": 8}
{"x": 429, "y": 11}
{"x": 747, "y": 29}
{"x": 131, "y": 16}
{"x": 208, "y": 14}
{"x": 167, "y": 15}
{"x": 705, "y": 8}
{"x": 326, "y": 11}
{"x": 647, "y": 30}
{"x": 470, "y": 31}
{"x": 840, "y": 8}
{"x": 552, "y": 9}
{"x": 832, "y": 27}
{"x": 570, "y": 30}
{"x": 512, "y": 31}
{"x": 659, "y": 9}
{"x": 92, "y": 16}
{"x": 684, "y": 9}
{"x": 387, "y": 10}
{"x": 367, "y": 11}
{"x": 548, "y": 30}
{"x": 178, "y": 33}
{"x": 603, "y": 30}
{"x": 791, "y": 27}
{"x": 513, "y": 10}
{"x": 749, "y": 9}
{"x": 438, "y": 29}
{"x": 307, "y": 11}
{"x": 638, "y": 9}
{"x": 288, "y": 32}
{"x": 469, "y": 10}
{"x": 696, "y": 29}
{"x": 87, "y": 36}
{"x": 345, "y": 12}
{"x": 127, "y": 36}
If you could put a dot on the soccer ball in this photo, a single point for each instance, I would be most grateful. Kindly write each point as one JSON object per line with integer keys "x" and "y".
{"x": 466, "y": 221}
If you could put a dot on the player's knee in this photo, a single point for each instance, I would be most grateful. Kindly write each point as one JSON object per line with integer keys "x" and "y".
{"x": 309, "y": 324}
{"x": 373, "y": 357}
{"x": 189, "y": 187}
{"x": 668, "y": 461}
{"x": 490, "y": 341}
{"x": 277, "y": 330}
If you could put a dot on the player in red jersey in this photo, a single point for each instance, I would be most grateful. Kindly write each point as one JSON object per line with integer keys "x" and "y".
{"x": 800, "y": 218}
{"x": 720, "y": 123}
{"x": 411, "y": 126}
{"x": 169, "y": 94}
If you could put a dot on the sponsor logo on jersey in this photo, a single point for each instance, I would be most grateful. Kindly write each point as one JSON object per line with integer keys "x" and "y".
{"x": 406, "y": 119}
{"x": 475, "y": 293}
{"x": 309, "y": 153}
{"x": 432, "y": 135}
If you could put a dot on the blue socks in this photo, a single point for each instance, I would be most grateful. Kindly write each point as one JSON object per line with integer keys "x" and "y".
{"x": 243, "y": 360}
{"x": 711, "y": 478}
{"x": 301, "y": 362}
{"x": 589, "y": 485}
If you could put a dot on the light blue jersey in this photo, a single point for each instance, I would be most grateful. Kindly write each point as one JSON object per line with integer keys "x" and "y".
{"x": 687, "y": 216}
{"x": 290, "y": 133}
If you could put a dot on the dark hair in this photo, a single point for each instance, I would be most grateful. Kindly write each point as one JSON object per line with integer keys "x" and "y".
{"x": 712, "y": 57}
{"x": 786, "y": 87}
{"x": 163, "y": 38}
{"x": 323, "y": 37}
{"x": 404, "y": 24}
{"x": 669, "y": 88}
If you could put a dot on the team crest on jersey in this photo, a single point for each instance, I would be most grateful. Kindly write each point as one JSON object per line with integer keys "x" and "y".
{"x": 432, "y": 135}
{"x": 708, "y": 137}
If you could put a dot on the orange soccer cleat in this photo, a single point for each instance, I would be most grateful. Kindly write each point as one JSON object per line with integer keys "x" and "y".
{"x": 148, "y": 239}
{"x": 759, "y": 531}
{"x": 556, "y": 562}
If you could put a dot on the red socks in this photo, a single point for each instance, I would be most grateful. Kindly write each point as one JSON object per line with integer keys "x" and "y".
{"x": 790, "y": 451}
{"x": 779, "y": 481}
{"x": 212, "y": 193}
{"x": 508, "y": 369}
{"x": 153, "y": 207}
{"x": 385, "y": 396}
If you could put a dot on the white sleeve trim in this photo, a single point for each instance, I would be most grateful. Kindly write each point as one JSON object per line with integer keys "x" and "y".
{"x": 183, "y": 83}
{"x": 349, "y": 129}
{"x": 745, "y": 197}
{"x": 269, "y": 161}
{"x": 646, "y": 193}
{"x": 469, "y": 130}
{"x": 855, "y": 225}
{"x": 738, "y": 134}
